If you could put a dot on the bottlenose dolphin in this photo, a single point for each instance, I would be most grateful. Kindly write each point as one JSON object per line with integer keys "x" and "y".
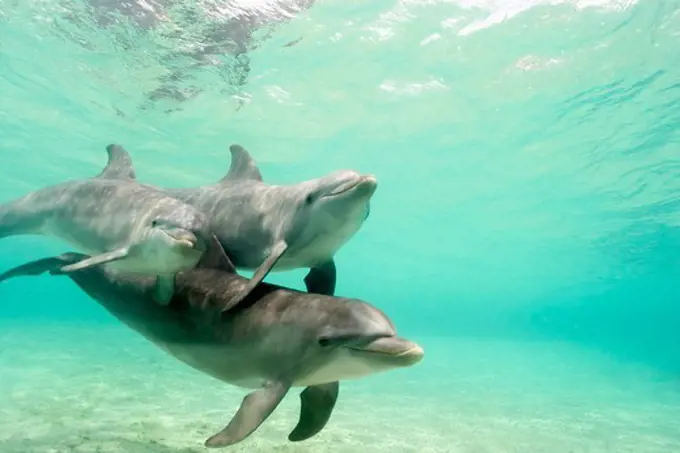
{"x": 125, "y": 224}
{"x": 277, "y": 339}
{"x": 265, "y": 227}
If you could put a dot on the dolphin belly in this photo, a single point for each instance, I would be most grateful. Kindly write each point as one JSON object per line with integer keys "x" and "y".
{"x": 320, "y": 250}
{"x": 236, "y": 366}
{"x": 339, "y": 365}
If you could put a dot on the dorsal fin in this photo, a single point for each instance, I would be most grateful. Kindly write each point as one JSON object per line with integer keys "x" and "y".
{"x": 242, "y": 165}
{"x": 119, "y": 165}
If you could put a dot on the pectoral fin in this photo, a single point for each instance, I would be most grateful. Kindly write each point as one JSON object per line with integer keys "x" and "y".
{"x": 316, "y": 405}
{"x": 254, "y": 410}
{"x": 321, "y": 279}
{"x": 164, "y": 289}
{"x": 216, "y": 258}
{"x": 96, "y": 260}
{"x": 277, "y": 252}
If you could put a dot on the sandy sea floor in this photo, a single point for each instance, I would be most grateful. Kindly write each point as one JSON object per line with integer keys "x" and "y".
{"x": 101, "y": 388}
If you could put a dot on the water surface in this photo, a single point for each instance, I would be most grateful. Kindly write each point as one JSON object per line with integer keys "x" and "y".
{"x": 524, "y": 230}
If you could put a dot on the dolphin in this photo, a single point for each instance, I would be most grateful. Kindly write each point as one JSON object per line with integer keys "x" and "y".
{"x": 265, "y": 227}
{"x": 119, "y": 221}
{"x": 280, "y": 339}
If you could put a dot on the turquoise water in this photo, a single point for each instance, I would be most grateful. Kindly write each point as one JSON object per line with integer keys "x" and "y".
{"x": 524, "y": 228}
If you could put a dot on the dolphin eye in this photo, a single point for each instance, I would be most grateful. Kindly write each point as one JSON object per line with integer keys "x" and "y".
{"x": 155, "y": 223}
{"x": 310, "y": 199}
{"x": 324, "y": 342}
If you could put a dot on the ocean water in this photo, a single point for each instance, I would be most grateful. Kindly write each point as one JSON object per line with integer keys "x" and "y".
{"x": 524, "y": 231}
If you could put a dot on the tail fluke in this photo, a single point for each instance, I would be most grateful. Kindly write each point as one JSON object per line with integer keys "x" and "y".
{"x": 52, "y": 265}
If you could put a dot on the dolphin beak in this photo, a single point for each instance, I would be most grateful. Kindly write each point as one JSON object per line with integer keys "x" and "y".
{"x": 201, "y": 241}
{"x": 368, "y": 184}
{"x": 187, "y": 238}
{"x": 363, "y": 186}
{"x": 406, "y": 352}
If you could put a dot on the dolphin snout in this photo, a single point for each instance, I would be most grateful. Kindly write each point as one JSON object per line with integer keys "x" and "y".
{"x": 367, "y": 185}
{"x": 412, "y": 355}
{"x": 201, "y": 233}
{"x": 187, "y": 238}
{"x": 399, "y": 350}
{"x": 361, "y": 185}
{"x": 202, "y": 240}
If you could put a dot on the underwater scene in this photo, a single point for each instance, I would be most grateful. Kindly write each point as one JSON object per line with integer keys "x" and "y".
{"x": 423, "y": 226}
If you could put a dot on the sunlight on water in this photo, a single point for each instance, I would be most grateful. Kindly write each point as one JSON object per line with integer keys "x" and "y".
{"x": 526, "y": 154}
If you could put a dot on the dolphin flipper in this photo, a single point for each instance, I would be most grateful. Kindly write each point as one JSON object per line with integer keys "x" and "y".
{"x": 163, "y": 289}
{"x": 321, "y": 279}
{"x": 95, "y": 260}
{"x": 254, "y": 410}
{"x": 277, "y": 252}
{"x": 316, "y": 405}
{"x": 216, "y": 258}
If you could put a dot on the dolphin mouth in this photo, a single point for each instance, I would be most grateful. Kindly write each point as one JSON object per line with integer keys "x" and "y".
{"x": 186, "y": 239}
{"x": 393, "y": 347}
{"x": 370, "y": 182}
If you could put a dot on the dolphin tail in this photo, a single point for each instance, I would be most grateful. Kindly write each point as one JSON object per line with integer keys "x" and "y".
{"x": 52, "y": 265}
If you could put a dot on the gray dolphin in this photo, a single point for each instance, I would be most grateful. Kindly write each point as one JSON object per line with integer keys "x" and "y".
{"x": 122, "y": 223}
{"x": 265, "y": 227}
{"x": 280, "y": 339}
